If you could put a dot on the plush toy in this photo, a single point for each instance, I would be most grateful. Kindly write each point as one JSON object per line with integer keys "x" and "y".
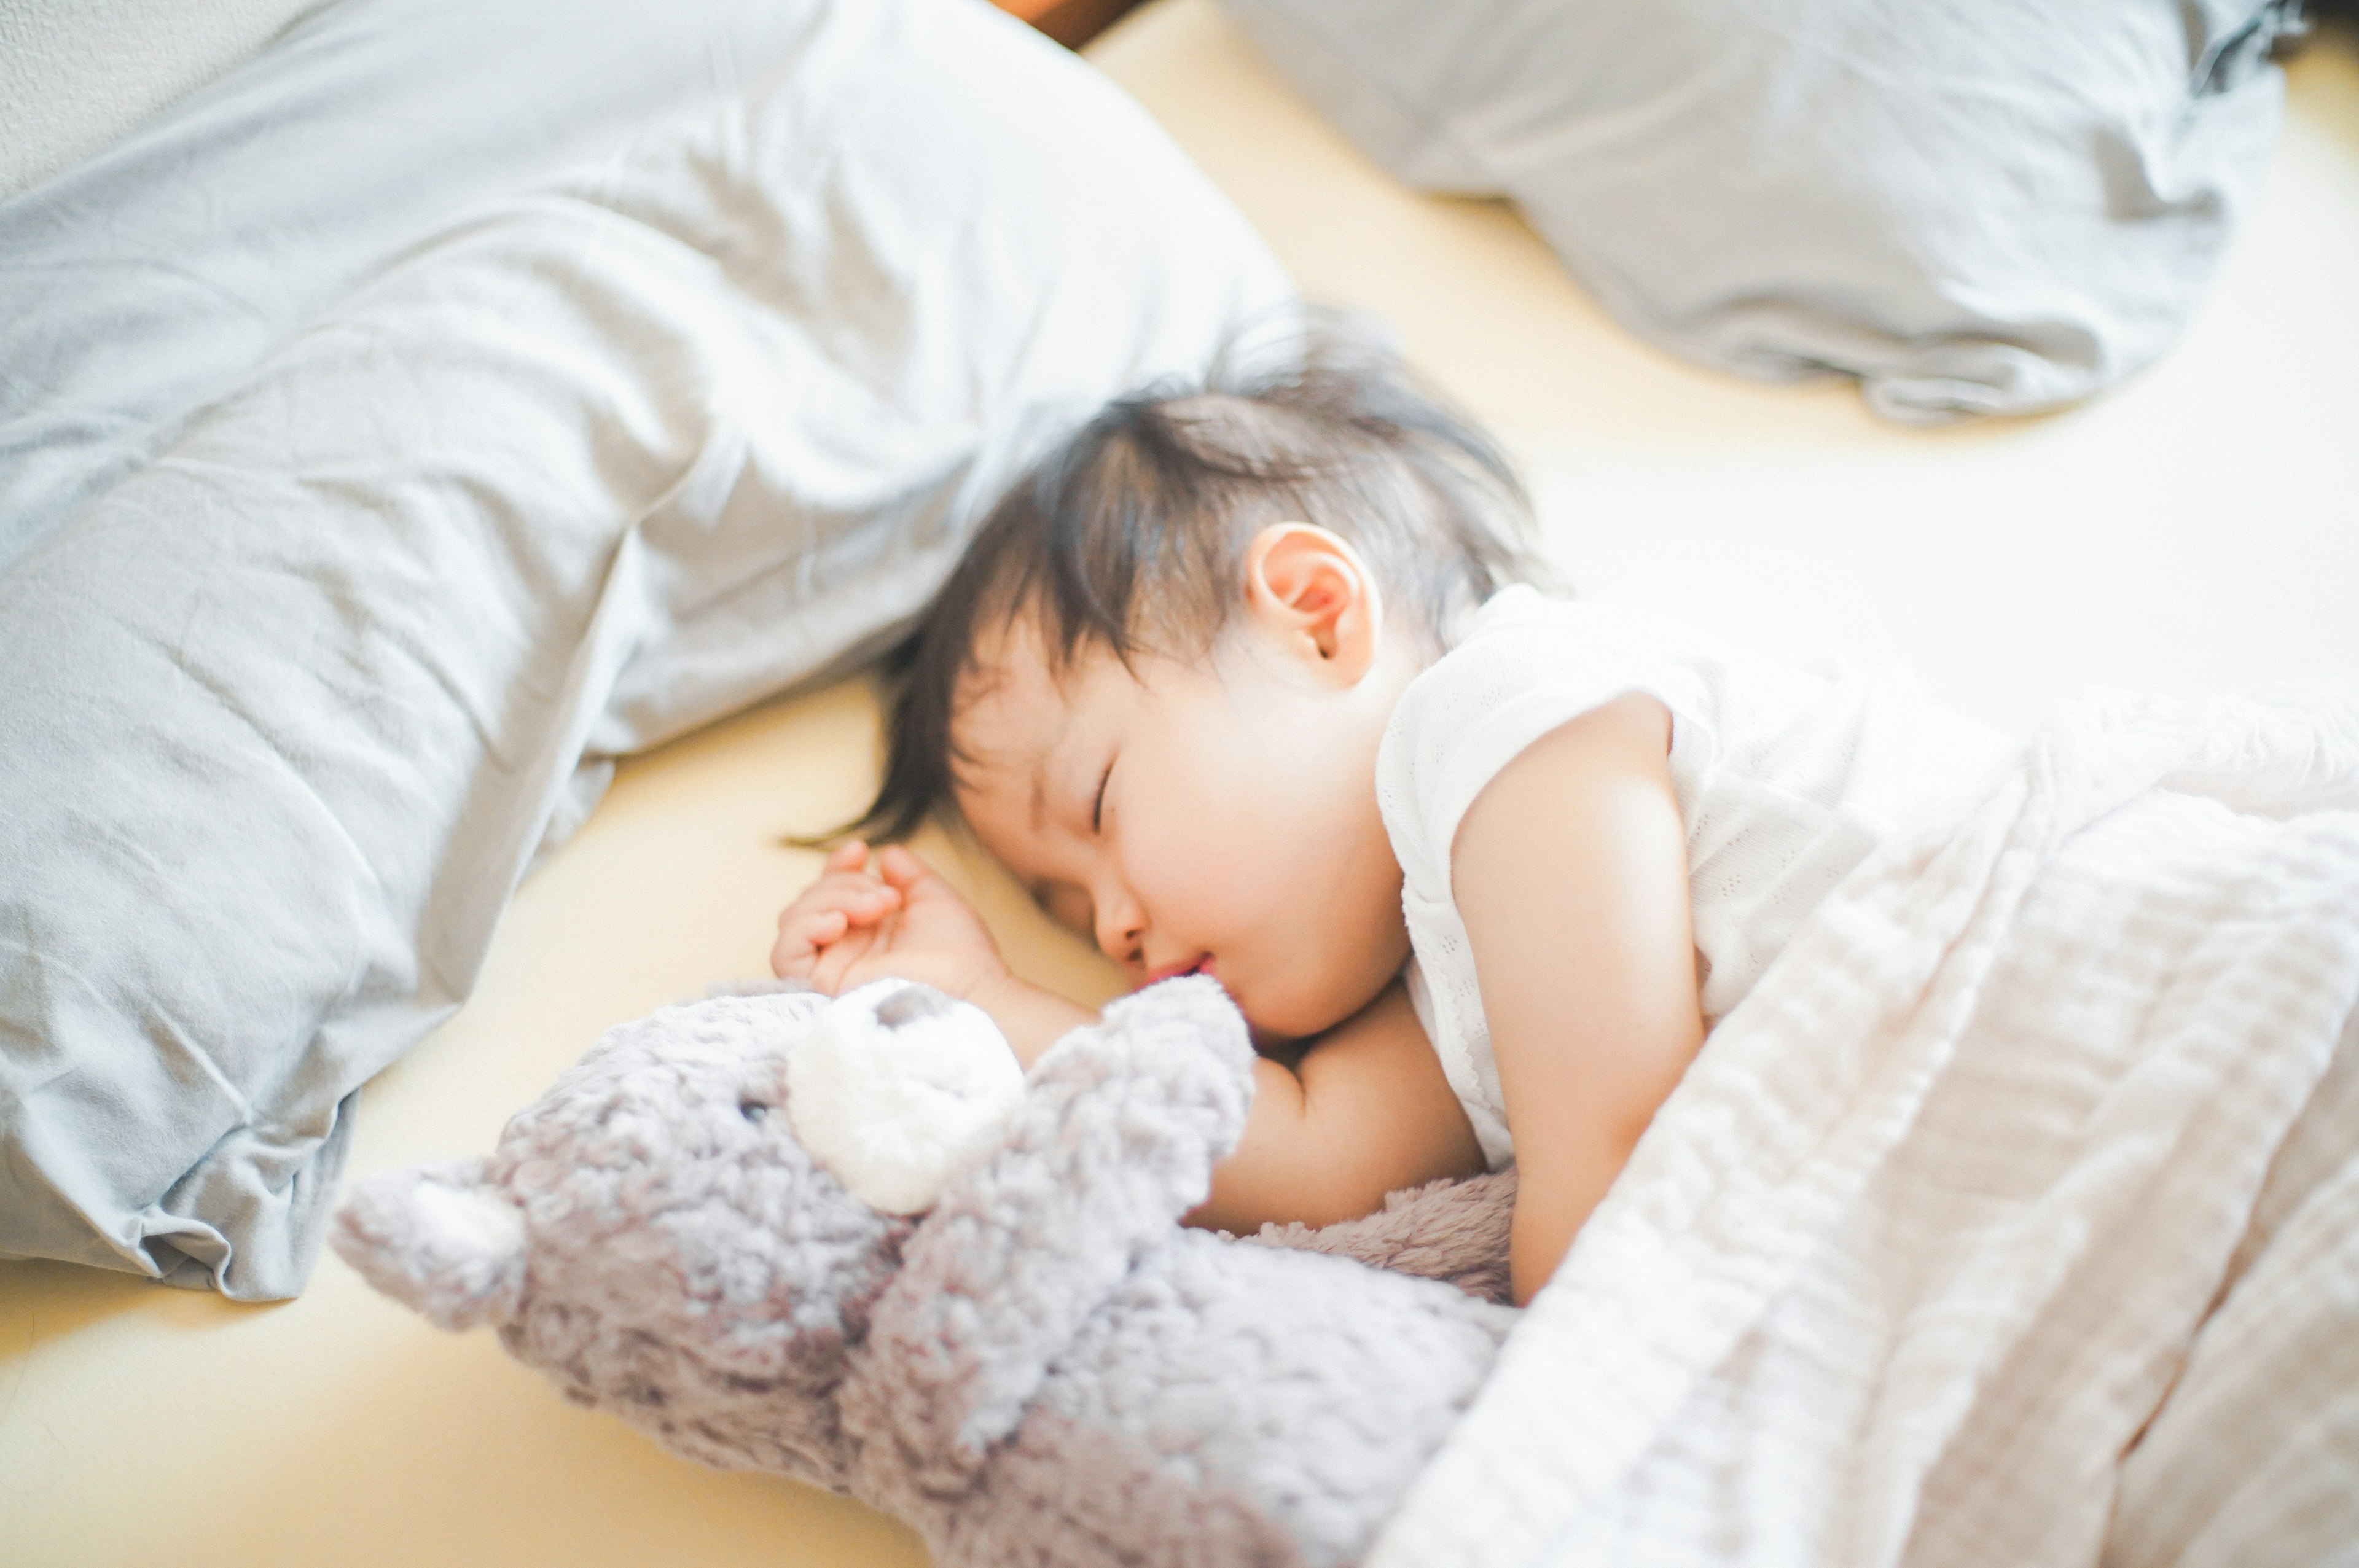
{"x": 849, "y": 1242}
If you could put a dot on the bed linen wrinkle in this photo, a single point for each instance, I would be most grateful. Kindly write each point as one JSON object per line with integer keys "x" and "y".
{"x": 2312, "y": 1155}
{"x": 581, "y": 467}
{"x": 272, "y": 191}
{"x": 2267, "y": 1323}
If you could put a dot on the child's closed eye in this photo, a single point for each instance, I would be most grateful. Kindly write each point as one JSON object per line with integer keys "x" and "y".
{"x": 1097, "y": 806}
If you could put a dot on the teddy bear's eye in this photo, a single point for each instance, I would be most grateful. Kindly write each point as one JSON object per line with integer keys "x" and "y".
{"x": 752, "y": 1110}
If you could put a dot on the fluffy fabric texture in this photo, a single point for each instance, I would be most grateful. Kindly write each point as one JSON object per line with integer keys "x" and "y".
{"x": 895, "y": 1087}
{"x": 2013, "y": 1217}
{"x": 1045, "y": 1368}
{"x": 460, "y": 1243}
{"x": 1453, "y": 1230}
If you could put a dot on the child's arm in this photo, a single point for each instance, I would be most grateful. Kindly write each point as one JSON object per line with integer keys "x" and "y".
{"x": 1368, "y": 1111}
{"x": 1570, "y": 871}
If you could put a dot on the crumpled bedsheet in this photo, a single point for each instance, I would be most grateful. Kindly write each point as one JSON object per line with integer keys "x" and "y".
{"x": 287, "y": 708}
{"x": 2013, "y": 1218}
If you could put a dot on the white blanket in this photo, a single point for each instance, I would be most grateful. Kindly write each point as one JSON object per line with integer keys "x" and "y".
{"x": 2013, "y": 1218}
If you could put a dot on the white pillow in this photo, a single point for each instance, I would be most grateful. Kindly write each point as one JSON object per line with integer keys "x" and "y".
{"x": 1991, "y": 207}
{"x": 77, "y": 74}
{"x": 288, "y": 709}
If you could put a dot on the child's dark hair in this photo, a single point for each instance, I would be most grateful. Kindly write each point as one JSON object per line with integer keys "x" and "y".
{"x": 1131, "y": 534}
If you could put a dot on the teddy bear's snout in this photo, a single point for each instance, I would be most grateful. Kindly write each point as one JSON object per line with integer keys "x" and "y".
{"x": 893, "y": 1086}
{"x": 912, "y": 1002}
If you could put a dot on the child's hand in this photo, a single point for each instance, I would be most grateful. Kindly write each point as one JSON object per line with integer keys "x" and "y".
{"x": 897, "y": 917}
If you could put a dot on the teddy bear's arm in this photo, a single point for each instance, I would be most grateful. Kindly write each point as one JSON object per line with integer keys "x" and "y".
{"x": 1114, "y": 1140}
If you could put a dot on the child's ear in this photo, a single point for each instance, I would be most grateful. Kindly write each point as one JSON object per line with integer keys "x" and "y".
{"x": 1311, "y": 589}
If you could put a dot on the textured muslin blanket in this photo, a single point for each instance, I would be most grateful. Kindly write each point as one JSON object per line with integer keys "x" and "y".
{"x": 2013, "y": 1218}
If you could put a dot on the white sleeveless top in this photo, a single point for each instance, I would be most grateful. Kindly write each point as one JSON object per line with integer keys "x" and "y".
{"x": 1786, "y": 776}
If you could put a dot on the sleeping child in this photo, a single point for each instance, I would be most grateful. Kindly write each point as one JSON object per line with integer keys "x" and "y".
{"x": 1253, "y": 681}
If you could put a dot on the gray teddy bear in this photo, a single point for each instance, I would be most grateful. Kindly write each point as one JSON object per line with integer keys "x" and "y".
{"x": 838, "y": 1240}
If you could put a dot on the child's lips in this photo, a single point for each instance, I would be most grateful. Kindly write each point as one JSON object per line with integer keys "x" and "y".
{"x": 1201, "y": 964}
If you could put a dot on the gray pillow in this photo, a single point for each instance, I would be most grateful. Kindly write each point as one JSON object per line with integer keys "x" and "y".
{"x": 1974, "y": 208}
{"x": 289, "y": 708}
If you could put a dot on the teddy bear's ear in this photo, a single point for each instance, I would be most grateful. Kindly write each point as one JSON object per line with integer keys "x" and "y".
{"x": 438, "y": 1237}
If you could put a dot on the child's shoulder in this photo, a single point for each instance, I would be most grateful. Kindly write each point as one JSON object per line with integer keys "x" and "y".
{"x": 1531, "y": 662}
{"x": 1528, "y": 663}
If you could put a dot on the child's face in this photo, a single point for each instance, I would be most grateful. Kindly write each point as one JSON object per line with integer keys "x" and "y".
{"x": 1218, "y": 818}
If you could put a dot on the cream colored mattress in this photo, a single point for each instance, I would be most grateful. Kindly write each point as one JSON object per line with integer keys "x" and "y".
{"x": 2199, "y": 530}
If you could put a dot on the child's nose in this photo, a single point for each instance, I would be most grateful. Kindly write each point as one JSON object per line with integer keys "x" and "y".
{"x": 1121, "y": 927}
